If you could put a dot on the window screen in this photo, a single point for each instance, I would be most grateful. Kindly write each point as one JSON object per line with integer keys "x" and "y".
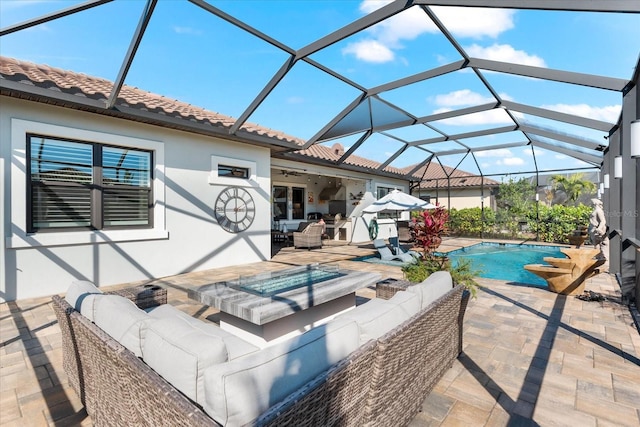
{"x": 76, "y": 184}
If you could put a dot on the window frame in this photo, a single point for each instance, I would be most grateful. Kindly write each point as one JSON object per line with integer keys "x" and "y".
{"x": 97, "y": 189}
{"x": 216, "y": 179}
{"x": 245, "y": 172}
{"x": 302, "y": 210}
{"x": 384, "y": 215}
{"x": 20, "y": 238}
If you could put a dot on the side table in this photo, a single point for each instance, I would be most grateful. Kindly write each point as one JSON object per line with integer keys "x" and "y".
{"x": 387, "y": 288}
{"x": 144, "y": 296}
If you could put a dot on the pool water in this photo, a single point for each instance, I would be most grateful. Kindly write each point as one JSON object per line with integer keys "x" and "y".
{"x": 506, "y": 261}
{"x": 272, "y": 283}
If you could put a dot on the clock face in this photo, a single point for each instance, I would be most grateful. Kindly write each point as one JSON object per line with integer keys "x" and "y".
{"x": 235, "y": 209}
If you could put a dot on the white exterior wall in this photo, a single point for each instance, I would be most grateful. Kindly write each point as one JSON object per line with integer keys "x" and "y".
{"x": 186, "y": 236}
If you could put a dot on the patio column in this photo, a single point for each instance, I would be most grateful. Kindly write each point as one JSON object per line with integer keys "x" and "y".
{"x": 629, "y": 200}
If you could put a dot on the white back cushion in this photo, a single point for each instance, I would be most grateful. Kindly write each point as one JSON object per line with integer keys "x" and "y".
{"x": 432, "y": 288}
{"x": 377, "y": 317}
{"x": 236, "y": 347}
{"x": 122, "y": 320}
{"x": 81, "y": 296}
{"x": 180, "y": 353}
{"x": 238, "y": 391}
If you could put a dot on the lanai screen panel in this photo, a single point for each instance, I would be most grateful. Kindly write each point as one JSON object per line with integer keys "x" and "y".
{"x": 552, "y": 73}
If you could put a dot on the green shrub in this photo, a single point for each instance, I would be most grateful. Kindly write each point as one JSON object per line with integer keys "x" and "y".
{"x": 469, "y": 222}
{"x": 554, "y": 223}
{"x": 462, "y": 273}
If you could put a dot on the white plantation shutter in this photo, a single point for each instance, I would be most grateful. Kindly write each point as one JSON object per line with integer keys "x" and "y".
{"x": 127, "y": 186}
{"x": 85, "y": 185}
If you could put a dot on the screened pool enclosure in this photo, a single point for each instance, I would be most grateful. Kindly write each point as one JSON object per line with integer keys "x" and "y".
{"x": 489, "y": 88}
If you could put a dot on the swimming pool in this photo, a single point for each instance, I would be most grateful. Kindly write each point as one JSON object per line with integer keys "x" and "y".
{"x": 505, "y": 261}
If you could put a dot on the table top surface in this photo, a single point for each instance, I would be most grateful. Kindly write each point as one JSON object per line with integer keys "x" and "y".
{"x": 260, "y": 310}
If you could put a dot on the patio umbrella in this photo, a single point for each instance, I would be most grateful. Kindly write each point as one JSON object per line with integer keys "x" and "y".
{"x": 397, "y": 201}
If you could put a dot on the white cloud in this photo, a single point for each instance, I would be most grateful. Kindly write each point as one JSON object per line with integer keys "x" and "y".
{"x": 461, "y": 21}
{"x": 495, "y": 117}
{"x": 369, "y": 51}
{"x": 513, "y": 161}
{"x": 462, "y": 97}
{"x": 295, "y": 100}
{"x": 560, "y": 156}
{"x": 485, "y": 165}
{"x": 413, "y": 22}
{"x": 529, "y": 152}
{"x": 475, "y": 22}
{"x": 609, "y": 113}
{"x": 504, "y": 53}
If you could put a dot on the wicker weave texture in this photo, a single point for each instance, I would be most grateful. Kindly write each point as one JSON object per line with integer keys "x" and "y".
{"x": 70, "y": 357}
{"x": 384, "y": 382}
{"x": 311, "y": 237}
{"x": 334, "y": 398}
{"x": 126, "y": 391}
{"x": 411, "y": 359}
{"x": 387, "y": 288}
{"x": 144, "y": 296}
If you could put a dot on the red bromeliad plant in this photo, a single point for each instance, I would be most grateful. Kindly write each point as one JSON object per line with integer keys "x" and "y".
{"x": 430, "y": 230}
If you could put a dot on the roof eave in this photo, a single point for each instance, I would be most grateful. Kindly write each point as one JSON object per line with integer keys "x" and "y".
{"x": 43, "y": 95}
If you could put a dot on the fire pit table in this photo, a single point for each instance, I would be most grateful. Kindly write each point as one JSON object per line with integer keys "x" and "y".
{"x": 268, "y": 308}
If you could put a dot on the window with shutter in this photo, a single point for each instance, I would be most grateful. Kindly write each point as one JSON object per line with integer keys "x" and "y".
{"x": 84, "y": 185}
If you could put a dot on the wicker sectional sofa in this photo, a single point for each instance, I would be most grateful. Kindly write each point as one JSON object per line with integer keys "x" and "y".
{"x": 372, "y": 365}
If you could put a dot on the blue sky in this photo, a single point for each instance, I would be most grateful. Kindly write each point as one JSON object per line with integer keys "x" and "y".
{"x": 193, "y": 56}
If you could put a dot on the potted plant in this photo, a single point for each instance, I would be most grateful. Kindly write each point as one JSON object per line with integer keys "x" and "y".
{"x": 428, "y": 235}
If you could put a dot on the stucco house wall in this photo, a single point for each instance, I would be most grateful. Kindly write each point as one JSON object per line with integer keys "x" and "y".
{"x": 461, "y": 198}
{"x": 186, "y": 236}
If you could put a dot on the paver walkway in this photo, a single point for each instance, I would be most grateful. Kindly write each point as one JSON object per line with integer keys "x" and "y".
{"x": 530, "y": 357}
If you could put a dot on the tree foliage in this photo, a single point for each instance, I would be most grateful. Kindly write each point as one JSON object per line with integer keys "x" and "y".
{"x": 554, "y": 223}
{"x": 515, "y": 199}
{"x": 572, "y": 186}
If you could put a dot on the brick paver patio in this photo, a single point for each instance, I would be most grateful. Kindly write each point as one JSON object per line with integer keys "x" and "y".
{"x": 530, "y": 357}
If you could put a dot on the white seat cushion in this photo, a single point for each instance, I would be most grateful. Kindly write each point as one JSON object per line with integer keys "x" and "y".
{"x": 236, "y": 347}
{"x": 122, "y": 320}
{"x": 432, "y": 288}
{"x": 81, "y": 296}
{"x": 238, "y": 391}
{"x": 377, "y": 317}
{"x": 180, "y": 352}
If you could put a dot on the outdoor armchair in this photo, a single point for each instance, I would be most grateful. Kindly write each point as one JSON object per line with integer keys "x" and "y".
{"x": 310, "y": 237}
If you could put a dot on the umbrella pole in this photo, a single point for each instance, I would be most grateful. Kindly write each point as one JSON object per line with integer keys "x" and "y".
{"x": 397, "y": 236}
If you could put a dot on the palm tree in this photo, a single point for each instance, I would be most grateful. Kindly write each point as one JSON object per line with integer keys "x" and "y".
{"x": 573, "y": 186}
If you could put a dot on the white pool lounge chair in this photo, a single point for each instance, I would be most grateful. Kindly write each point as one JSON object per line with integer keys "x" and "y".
{"x": 398, "y": 250}
{"x": 387, "y": 255}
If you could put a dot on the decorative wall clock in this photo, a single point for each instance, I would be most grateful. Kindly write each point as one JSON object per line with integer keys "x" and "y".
{"x": 235, "y": 209}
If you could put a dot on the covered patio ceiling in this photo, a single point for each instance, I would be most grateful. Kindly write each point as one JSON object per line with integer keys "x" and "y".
{"x": 491, "y": 87}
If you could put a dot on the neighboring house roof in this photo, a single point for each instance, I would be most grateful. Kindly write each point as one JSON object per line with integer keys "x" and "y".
{"x": 42, "y": 83}
{"x": 434, "y": 175}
